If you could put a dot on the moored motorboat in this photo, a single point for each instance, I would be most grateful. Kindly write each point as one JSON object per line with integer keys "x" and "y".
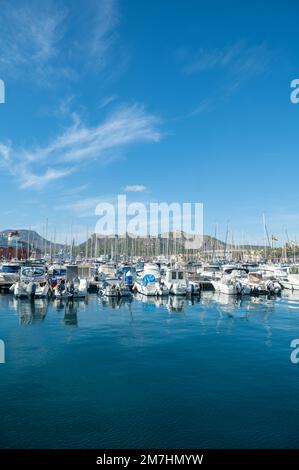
{"x": 149, "y": 282}
{"x": 176, "y": 281}
{"x": 33, "y": 283}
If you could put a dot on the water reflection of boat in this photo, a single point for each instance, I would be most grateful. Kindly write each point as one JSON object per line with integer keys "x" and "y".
{"x": 30, "y": 311}
{"x": 59, "y": 304}
{"x": 290, "y": 299}
{"x": 176, "y": 304}
{"x": 195, "y": 299}
{"x": 70, "y": 314}
{"x": 291, "y": 295}
{"x": 115, "y": 302}
{"x": 152, "y": 300}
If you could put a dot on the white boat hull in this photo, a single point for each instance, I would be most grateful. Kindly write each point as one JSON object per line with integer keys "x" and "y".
{"x": 152, "y": 289}
{"x": 177, "y": 289}
{"x": 20, "y": 291}
{"x": 42, "y": 291}
{"x": 289, "y": 285}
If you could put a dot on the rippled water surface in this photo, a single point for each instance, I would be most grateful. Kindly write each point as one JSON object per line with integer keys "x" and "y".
{"x": 211, "y": 372}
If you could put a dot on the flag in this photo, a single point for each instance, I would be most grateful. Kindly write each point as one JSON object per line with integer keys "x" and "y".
{"x": 275, "y": 239}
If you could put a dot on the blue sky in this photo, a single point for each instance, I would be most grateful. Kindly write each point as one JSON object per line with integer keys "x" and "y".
{"x": 180, "y": 100}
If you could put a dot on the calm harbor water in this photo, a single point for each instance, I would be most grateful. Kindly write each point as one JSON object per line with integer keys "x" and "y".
{"x": 211, "y": 372}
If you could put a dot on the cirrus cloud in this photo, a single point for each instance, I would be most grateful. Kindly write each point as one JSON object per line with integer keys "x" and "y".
{"x": 135, "y": 188}
{"x": 81, "y": 144}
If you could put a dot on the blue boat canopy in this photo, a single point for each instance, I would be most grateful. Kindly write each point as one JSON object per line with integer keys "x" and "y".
{"x": 147, "y": 279}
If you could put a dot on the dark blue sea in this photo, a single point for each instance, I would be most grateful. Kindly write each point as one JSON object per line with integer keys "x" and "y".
{"x": 144, "y": 373}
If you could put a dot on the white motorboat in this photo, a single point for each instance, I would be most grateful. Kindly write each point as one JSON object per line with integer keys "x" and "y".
{"x": 149, "y": 282}
{"x": 42, "y": 289}
{"x": 33, "y": 283}
{"x": 263, "y": 285}
{"x": 193, "y": 288}
{"x": 9, "y": 274}
{"x": 232, "y": 282}
{"x": 60, "y": 291}
{"x": 291, "y": 280}
{"x": 209, "y": 271}
{"x": 117, "y": 289}
{"x": 77, "y": 288}
{"x": 176, "y": 281}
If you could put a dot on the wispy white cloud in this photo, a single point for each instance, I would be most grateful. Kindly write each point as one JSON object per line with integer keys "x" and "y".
{"x": 135, "y": 188}
{"x": 75, "y": 190}
{"x": 240, "y": 62}
{"x": 239, "y": 58}
{"x": 103, "y": 31}
{"x": 31, "y": 180}
{"x": 107, "y": 100}
{"x": 80, "y": 144}
{"x": 207, "y": 105}
{"x": 126, "y": 125}
{"x": 84, "y": 204}
{"x": 29, "y": 36}
{"x": 5, "y": 152}
{"x": 83, "y": 207}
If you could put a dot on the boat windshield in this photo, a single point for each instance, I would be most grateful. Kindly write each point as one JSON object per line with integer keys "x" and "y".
{"x": 212, "y": 269}
{"x": 33, "y": 272}
{"x": 9, "y": 269}
{"x": 59, "y": 272}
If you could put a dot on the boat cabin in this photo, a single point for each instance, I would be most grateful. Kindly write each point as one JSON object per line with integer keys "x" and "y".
{"x": 173, "y": 275}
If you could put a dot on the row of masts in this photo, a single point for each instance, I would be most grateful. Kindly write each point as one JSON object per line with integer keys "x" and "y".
{"x": 212, "y": 248}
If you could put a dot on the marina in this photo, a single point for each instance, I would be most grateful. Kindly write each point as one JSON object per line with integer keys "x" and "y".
{"x": 149, "y": 251}
{"x": 146, "y": 371}
{"x": 149, "y": 349}
{"x": 187, "y": 341}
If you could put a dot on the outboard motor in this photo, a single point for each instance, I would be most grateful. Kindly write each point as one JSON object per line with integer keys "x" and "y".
{"x": 277, "y": 287}
{"x": 239, "y": 287}
{"x": 270, "y": 286}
